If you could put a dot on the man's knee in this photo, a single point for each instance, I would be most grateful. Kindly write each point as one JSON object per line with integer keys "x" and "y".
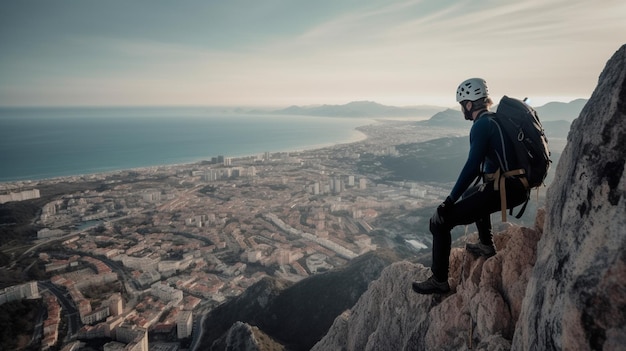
{"x": 437, "y": 224}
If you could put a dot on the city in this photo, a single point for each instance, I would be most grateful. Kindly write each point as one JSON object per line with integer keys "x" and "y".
{"x": 146, "y": 253}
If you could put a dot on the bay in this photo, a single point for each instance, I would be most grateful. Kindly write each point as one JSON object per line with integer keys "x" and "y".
{"x": 40, "y": 143}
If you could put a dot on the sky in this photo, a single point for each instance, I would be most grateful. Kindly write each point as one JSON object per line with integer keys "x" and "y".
{"x": 300, "y": 52}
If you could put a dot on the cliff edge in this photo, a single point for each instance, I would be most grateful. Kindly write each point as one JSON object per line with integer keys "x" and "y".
{"x": 558, "y": 286}
{"x": 576, "y": 297}
{"x": 479, "y": 314}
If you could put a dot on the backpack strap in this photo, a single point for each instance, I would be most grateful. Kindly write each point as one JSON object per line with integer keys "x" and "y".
{"x": 521, "y": 211}
{"x": 500, "y": 184}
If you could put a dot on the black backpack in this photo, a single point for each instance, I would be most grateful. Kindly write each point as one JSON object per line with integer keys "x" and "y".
{"x": 520, "y": 122}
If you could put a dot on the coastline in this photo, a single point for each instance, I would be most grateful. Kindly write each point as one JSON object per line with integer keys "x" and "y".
{"x": 356, "y": 135}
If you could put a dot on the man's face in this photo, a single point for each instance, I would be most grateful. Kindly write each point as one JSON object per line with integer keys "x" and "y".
{"x": 466, "y": 107}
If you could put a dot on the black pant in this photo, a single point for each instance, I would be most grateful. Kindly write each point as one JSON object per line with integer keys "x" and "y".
{"x": 475, "y": 206}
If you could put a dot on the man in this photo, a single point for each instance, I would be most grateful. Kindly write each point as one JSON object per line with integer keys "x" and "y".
{"x": 467, "y": 204}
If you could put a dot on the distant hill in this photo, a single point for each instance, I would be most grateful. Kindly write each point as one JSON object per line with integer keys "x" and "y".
{"x": 556, "y": 129}
{"x": 442, "y": 116}
{"x": 360, "y": 109}
{"x": 567, "y": 111}
{"x": 556, "y": 118}
{"x": 446, "y": 118}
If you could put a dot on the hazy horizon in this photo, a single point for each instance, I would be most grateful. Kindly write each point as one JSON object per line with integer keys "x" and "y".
{"x": 270, "y": 108}
{"x": 280, "y": 53}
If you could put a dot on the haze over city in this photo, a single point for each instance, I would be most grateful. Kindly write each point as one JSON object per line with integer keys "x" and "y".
{"x": 277, "y": 53}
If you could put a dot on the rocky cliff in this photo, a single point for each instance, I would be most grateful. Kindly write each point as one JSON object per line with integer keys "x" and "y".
{"x": 244, "y": 337}
{"x": 576, "y": 297}
{"x": 558, "y": 286}
{"x": 479, "y": 314}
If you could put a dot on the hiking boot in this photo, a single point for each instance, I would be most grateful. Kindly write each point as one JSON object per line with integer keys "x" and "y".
{"x": 480, "y": 249}
{"x": 431, "y": 286}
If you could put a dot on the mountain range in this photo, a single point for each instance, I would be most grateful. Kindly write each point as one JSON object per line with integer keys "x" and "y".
{"x": 566, "y": 111}
{"x": 360, "y": 109}
{"x": 549, "y": 112}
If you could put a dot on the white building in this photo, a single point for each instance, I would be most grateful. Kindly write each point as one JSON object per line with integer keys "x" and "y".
{"x": 21, "y": 196}
{"x": 135, "y": 338}
{"x": 362, "y": 183}
{"x": 166, "y": 292}
{"x": 184, "y": 324}
{"x": 18, "y": 292}
{"x": 96, "y": 316}
{"x": 140, "y": 263}
{"x": 152, "y": 196}
{"x": 116, "y": 304}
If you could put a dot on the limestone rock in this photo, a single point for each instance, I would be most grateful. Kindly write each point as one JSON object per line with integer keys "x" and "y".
{"x": 481, "y": 312}
{"x": 576, "y": 296}
{"x": 244, "y": 337}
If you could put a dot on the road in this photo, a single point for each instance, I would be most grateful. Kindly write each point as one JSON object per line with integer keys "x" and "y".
{"x": 68, "y": 308}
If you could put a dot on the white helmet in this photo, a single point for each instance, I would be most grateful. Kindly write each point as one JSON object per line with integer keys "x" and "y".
{"x": 472, "y": 90}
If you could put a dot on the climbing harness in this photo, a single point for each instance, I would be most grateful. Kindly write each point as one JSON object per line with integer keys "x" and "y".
{"x": 499, "y": 183}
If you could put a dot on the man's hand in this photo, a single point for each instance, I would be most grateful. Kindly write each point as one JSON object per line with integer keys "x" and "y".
{"x": 445, "y": 207}
{"x": 442, "y": 211}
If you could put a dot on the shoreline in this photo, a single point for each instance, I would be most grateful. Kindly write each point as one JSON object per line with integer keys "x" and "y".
{"x": 357, "y": 135}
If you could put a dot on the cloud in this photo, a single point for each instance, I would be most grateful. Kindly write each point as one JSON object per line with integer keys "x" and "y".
{"x": 291, "y": 52}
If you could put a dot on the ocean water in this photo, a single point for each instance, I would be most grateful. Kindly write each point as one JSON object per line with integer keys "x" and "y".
{"x": 40, "y": 143}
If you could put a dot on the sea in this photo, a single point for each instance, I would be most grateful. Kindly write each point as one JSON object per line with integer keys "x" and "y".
{"x": 42, "y": 143}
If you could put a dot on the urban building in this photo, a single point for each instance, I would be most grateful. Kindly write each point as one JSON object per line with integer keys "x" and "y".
{"x": 184, "y": 324}
{"x": 20, "y": 196}
{"x": 135, "y": 338}
{"x": 18, "y": 292}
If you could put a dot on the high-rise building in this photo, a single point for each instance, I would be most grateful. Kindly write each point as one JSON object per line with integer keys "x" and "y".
{"x": 251, "y": 171}
{"x": 337, "y": 185}
{"x": 135, "y": 337}
{"x": 184, "y": 324}
{"x": 210, "y": 175}
{"x": 116, "y": 304}
{"x": 362, "y": 183}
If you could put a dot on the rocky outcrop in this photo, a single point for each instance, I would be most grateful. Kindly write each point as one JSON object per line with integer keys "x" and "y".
{"x": 244, "y": 337}
{"x": 297, "y": 314}
{"x": 558, "y": 286}
{"x": 480, "y": 314}
{"x": 576, "y": 298}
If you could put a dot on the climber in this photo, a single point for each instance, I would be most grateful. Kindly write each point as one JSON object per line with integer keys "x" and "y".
{"x": 468, "y": 204}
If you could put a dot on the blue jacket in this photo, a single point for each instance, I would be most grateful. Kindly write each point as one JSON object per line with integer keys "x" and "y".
{"x": 488, "y": 147}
